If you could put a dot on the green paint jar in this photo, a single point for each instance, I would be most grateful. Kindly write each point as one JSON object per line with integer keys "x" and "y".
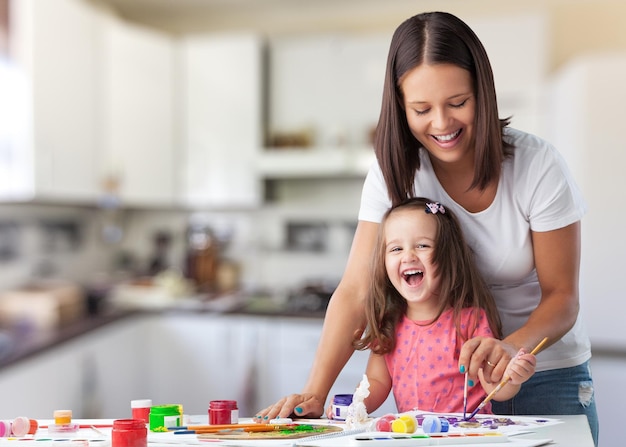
{"x": 164, "y": 416}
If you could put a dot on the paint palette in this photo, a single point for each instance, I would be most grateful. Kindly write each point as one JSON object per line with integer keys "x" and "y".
{"x": 385, "y": 439}
{"x": 294, "y": 431}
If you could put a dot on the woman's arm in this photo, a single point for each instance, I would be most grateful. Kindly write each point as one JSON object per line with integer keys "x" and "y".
{"x": 557, "y": 260}
{"x": 344, "y": 317}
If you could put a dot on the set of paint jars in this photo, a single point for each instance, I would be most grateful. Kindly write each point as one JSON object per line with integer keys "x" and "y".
{"x": 20, "y": 426}
{"x": 398, "y": 424}
{"x": 223, "y": 412}
{"x": 129, "y": 433}
{"x": 407, "y": 423}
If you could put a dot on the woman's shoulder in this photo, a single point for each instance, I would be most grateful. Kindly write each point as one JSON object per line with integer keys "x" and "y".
{"x": 525, "y": 140}
{"x": 528, "y": 148}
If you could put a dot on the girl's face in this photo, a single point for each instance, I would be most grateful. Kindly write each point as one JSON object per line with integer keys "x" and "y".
{"x": 409, "y": 244}
{"x": 440, "y": 105}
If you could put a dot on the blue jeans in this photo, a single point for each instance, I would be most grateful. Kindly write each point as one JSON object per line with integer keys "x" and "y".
{"x": 555, "y": 392}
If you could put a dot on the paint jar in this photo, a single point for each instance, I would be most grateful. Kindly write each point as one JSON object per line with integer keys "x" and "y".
{"x": 164, "y": 416}
{"x": 340, "y": 405}
{"x": 140, "y": 409}
{"x": 22, "y": 426}
{"x": 63, "y": 423}
{"x": 5, "y": 429}
{"x": 223, "y": 412}
{"x": 129, "y": 433}
{"x": 434, "y": 424}
{"x": 62, "y": 417}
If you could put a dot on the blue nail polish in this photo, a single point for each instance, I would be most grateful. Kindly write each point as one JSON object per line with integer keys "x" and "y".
{"x": 265, "y": 417}
{"x": 462, "y": 369}
{"x": 470, "y": 383}
{"x": 298, "y": 410}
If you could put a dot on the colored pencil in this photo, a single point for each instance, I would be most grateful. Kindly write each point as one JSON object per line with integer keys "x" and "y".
{"x": 504, "y": 381}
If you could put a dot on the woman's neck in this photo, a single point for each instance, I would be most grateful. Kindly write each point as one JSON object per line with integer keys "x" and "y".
{"x": 456, "y": 179}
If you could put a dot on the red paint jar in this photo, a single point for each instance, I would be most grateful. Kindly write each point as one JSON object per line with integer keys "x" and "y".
{"x": 223, "y": 412}
{"x": 140, "y": 409}
{"x": 129, "y": 433}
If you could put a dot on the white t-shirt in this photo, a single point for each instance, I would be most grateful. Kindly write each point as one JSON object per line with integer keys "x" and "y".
{"x": 536, "y": 192}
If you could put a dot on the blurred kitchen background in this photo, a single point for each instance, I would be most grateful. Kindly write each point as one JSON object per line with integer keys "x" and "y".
{"x": 201, "y": 153}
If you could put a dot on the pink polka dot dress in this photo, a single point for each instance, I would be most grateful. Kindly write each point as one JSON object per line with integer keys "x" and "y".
{"x": 424, "y": 365}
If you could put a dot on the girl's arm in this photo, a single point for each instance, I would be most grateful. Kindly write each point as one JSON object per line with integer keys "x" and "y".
{"x": 557, "y": 260}
{"x": 379, "y": 380}
{"x": 344, "y": 317}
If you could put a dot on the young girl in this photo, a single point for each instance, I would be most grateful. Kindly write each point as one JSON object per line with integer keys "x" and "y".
{"x": 426, "y": 298}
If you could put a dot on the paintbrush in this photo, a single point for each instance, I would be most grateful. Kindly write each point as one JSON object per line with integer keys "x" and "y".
{"x": 504, "y": 381}
{"x": 465, "y": 397}
{"x": 217, "y": 426}
{"x": 231, "y": 428}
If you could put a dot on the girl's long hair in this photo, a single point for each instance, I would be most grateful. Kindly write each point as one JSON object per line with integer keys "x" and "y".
{"x": 436, "y": 38}
{"x": 461, "y": 284}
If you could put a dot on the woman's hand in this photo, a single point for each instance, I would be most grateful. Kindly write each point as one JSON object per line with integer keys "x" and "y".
{"x": 294, "y": 405}
{"x": 490, "y": 354}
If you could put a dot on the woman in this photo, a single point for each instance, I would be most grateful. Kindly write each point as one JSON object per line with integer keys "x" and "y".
{"x": 439, "y": 135}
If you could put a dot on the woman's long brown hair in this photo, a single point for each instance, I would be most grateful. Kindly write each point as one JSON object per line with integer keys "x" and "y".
{"x": 436, "y": 38}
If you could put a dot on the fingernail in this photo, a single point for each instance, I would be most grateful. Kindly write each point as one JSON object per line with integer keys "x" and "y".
{"x": 258, "y": 416}
{"x": 265, "y": 417}
{"x": 298, "y": 410}
{"x": 470, "y": 383}
{"x": 462, "y": 369}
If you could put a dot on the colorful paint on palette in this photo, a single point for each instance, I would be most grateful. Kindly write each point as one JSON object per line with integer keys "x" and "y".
{"x": 385, "y": 439}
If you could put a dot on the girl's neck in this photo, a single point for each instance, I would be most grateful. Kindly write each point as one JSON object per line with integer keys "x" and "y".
{"x": 422, "y": 312}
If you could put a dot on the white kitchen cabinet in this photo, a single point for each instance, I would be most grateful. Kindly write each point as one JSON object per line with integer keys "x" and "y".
{"x": 291, "y": 347}
{"x": 222, "y": 91}
{"x": 329, "y": 85}
{"x": 54, "y": 155}
{"x": 138, "y": 81}
{"x": 94, "y": 375}
{"x": 180, "y": 357}
{"x": 196, "y": 358}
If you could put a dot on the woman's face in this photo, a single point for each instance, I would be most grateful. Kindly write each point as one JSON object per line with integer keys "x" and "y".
{"x": 440, "y": 105}
{"x": 410, "y": 236}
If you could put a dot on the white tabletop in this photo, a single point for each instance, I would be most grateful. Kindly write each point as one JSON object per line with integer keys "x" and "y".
{"x": 573, "y": 432}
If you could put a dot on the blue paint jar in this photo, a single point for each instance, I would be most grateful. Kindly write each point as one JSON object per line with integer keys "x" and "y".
{"x": 340, "y": 405}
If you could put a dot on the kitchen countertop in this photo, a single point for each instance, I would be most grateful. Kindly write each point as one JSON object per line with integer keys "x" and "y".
{"x": 17, "y": 347}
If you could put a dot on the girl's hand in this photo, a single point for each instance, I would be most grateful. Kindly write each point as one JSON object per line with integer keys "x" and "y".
{"x": 329, "y": 410}
{"x": 521, "y": 367}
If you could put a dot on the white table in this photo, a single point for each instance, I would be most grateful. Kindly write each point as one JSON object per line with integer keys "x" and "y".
{"x": 573, "y": 432}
